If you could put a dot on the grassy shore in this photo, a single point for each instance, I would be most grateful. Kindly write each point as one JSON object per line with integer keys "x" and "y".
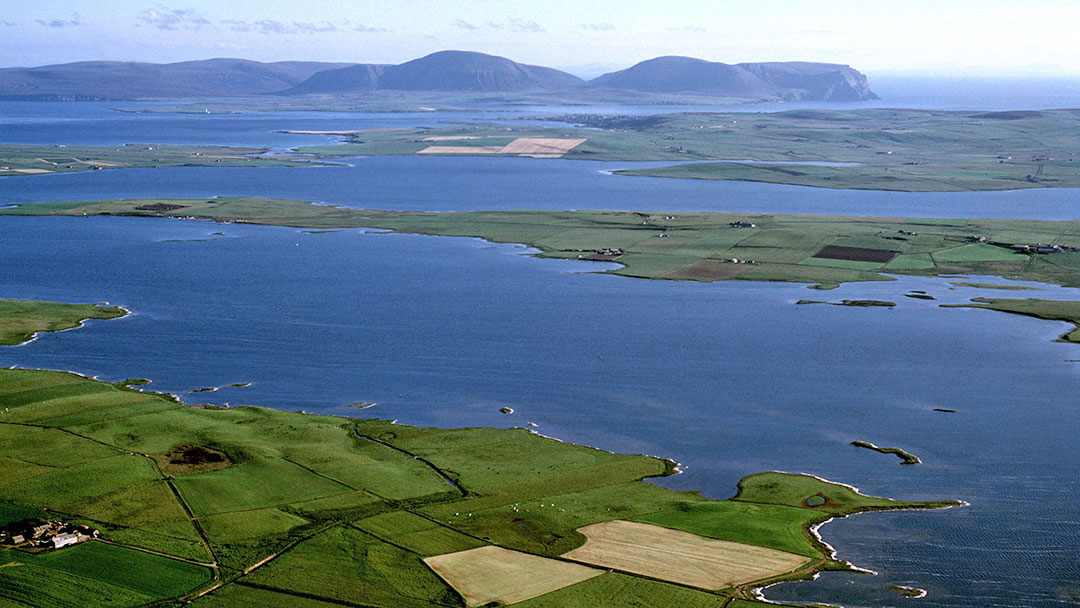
{"x": 250, "y": 506}
{"x": 905, "y": 150}
{"x": 1051, "y": 310}
{"x": 20, "y": 320}
{"x": 821, "y": 250}
{"x": 39, "y": 160}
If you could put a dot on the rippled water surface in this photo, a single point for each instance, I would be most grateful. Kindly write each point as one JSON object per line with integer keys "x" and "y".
{"x": 729, "y": 379}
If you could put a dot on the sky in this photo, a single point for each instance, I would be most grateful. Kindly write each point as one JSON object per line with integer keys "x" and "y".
{"x": 584, "y": 37}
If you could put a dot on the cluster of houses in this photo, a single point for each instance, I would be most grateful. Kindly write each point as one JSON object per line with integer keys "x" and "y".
{"x": 742, "y": 224}
{"x": 38, "y": 534}
{"x": 1042, "y": 248}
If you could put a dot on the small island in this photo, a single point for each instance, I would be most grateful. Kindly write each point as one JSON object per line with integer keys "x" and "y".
{"x": 905, "y": 457}
{"x": 853, "y": 303}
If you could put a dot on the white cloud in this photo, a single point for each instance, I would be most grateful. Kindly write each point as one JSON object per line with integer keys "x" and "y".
{"x": 164, "y": 18}
{"x": 515, "y": 24}
{"x": 59, "y": 22}
{"x": 598, "y": 27}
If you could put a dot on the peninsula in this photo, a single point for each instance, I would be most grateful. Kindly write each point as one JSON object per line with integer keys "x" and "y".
{"x": 37, "y": 160}
{"x": 251, "y": 506}
{"x": 821, "y": 250}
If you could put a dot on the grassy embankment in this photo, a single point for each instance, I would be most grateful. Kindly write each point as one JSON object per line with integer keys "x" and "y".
{"x": 38, "y": 160}
{"x": 273, "y": 508}
{"x": 21, "y": 319}
{"x": 905, "y": 150}
{"x": 824, "y": 250}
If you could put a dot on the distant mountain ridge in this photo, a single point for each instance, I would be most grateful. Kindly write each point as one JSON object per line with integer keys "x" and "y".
{"x": 788, "y": 80}
{"x": 444, "y": 71}
{"x": 90, "y": 80}
{"x": 441, "y": 71}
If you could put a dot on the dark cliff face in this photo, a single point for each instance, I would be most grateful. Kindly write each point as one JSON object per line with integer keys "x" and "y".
{"x": 813, "y": 81}
{"x": 790, "y": 80}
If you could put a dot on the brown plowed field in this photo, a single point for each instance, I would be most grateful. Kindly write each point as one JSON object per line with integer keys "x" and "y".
{"x": 707, "y": 271}
{"x": 855, "y": 254}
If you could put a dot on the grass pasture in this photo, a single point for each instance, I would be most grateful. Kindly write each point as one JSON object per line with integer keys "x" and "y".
{"x": 348, "y": 565}
{"x": 144, "y": 573}
{"x": 260, "y": 483}
{"x": 492, "y": 574}
{"x": 241, "y": 595}
{"x": 793, "y": 490}
{"x": 680, "y": 557}
{"x": 245, "y": 525}
{"x": 773, "y": 526}
{"x": 41, "y": 587}
{"x": 417, "y": 534}
{"x": 615, "y": 589}
{"x": 81, "y": 482}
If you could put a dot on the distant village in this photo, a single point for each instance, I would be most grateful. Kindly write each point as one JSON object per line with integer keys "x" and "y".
{"x": 45, "y": 535}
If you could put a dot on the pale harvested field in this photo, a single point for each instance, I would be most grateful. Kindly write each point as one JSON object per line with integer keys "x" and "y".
{"x": 493, "y": 574}
{"x": 30, "y": 171}
{"x": 522, "y": 146}
{"x": 680, "y": 557}
{"x": 536, "y": 145}
{"x": 451, "y": 137}
{"x": 461, "y": 150}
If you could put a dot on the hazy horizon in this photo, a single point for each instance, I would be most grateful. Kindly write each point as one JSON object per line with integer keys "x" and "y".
{"x": 988, "y": 38}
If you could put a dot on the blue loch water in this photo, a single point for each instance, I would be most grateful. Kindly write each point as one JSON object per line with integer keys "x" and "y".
{"x": 728, "y": 379}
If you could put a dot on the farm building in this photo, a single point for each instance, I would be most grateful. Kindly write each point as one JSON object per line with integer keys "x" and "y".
{"x": 63, "y": 540}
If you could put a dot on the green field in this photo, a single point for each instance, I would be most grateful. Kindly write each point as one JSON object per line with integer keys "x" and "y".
{"x": 881, "y": 149}
{"x": 39, "y": 160}
{"x": 773, "y": 526}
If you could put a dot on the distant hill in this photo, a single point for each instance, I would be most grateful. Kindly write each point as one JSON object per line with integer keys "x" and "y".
{"x": 442, "y": 71}
{"x": 359, "y": 78}
{"x": 123, "y": 80}
{"x": 787, "y": 80}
